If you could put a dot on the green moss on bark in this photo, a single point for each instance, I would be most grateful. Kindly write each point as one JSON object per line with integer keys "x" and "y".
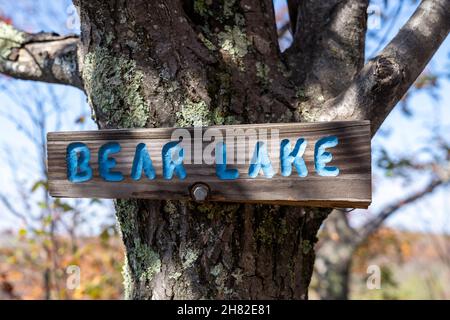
{"x": 170, "y": 207}
{"x": 201, "y": 7}
{"x": 306, "y": 247}
{"x": 217, "y": 210}
{"x": 208, "y": 44}
{"x": 228, "y": 8}
{"x": 271, "y": 228}
{"x": 262, "y": 72}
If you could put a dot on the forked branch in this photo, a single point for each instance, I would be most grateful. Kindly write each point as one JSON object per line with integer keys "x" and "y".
{"x": 385, "y": 79}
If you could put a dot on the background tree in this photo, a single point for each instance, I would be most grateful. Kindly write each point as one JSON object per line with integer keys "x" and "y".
{"x": 340, "y": 240}
{"x": 182, "y": 63}
{"x": 51, "y": 233}
{"x": 42, "y": 219}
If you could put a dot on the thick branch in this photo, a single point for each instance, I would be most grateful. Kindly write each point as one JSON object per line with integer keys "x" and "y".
{"x": 338, "y": 223}
{"x": 328, "y": 45}
{"x": 43, "y": 56}
{"x": 385, "y": 79}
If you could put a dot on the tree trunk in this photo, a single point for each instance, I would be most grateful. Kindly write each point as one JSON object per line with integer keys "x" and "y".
{"x": 174, "y": 63}
{"x": 202, "y": 62}
{"x": 223, "y": 251}
{"x": 338, "y": 242}
{"x": 333, "y": 276}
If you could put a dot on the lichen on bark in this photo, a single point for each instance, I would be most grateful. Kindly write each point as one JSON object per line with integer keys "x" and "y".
{"x": 262, "y": 72}
{"x": 146, "y": 262}
{"x": 142, "y": 262}
{"x": 115, "y": 89}
{"x": 194, "y": 114}
{"x": 127, "y": 279}
{"x": 190, "y": 257}
{"x": 271, "y": 228}
{"x": 234, "y": 42}
{"x": 10, "y": 38}
{"x": 126, "y": 211}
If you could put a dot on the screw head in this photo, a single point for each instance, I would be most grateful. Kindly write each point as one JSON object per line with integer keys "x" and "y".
{"x": 200, "y": 192}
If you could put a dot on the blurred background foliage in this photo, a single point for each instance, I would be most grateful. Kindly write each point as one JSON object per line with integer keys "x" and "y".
{"x": 41, "y": 237}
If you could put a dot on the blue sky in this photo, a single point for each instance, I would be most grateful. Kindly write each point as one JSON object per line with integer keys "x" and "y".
{"x": 407, "y": 134}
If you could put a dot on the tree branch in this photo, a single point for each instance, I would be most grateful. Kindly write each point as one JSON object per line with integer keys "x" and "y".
{"x": 45, "y": 57}
{"x": 371, "y": 226}
{"x": 338, "y": 224}
{"x": 328, "y": 45}
{"x": 11, "y": 209}
{"x": 385, "y": 79}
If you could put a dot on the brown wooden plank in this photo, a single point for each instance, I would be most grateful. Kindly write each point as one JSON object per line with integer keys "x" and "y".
{"x": 351, "y": 188}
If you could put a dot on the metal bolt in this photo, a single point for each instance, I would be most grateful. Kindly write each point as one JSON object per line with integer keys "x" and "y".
{"x": 200, "y": 192}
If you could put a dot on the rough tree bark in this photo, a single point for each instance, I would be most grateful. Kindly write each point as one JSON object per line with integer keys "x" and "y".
{"x": 183, "y": 63}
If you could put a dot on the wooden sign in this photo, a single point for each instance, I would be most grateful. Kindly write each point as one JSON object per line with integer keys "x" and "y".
{"x": 313, "y": 164}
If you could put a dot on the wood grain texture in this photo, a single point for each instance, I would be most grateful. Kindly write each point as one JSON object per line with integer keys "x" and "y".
{"x": 351, "y": 188}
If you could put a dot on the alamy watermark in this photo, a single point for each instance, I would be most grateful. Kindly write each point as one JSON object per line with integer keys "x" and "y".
{"x": 374, "y": 280}
{"x": 200, "y": 144}
{"x": 74, "y": 277}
